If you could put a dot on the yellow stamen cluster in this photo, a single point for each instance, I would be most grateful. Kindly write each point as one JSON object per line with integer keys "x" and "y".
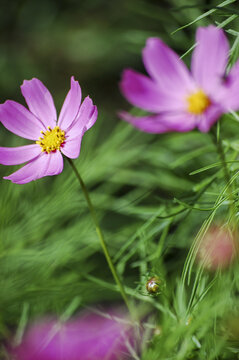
{"x": 198, "y": 102}
{"x": 52, "y": 139}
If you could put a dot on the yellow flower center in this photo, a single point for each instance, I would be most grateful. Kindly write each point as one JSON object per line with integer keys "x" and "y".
{"x": 52, "y": 139}
{"x": 198, "y": 102}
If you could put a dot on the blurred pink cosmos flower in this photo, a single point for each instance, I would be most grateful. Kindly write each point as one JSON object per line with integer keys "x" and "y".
{"x": 52, "y": 138}
{"x": 180, "y": 100}
{"x": 90, "y": 337}
{"x": 218, "y": 248}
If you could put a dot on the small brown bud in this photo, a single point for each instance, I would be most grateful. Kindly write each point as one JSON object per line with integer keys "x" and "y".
{"x": 153, "y": 285}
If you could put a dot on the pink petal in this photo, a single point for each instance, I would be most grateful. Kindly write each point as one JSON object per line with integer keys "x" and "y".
{"x": 92, "y": 118}
{"x": 142, "y": 92}
{"x": 71, "y": 105}
{"x": 39, "y": 101}
{"x": 209, "y": 59}
{"x": 17, "y": 119}
{"x": 209, "y": 117}
{"x": 43, "y": 165}
{"x": 162, "y": 123}
{"x": 18, "y": 155}
{"x": 89, "y": 337}
{"x": 85, "y": 119}
{"x": 71, "y": 148}
{"x": 164, "y": 65}
{"x": 228, "y": 97}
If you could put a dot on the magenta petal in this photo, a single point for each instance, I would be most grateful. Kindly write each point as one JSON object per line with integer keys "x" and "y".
{"x": 92, "y": 118}
{"x": 228, "y": 97}
{"x": 20, "y": 121}
{"x": 141, "y": 91}
{"x": 211, "y": 115}
{"x": 43, "y": 165}
{"x": 144, "y": 93}
{"x": 209, "y": 59}
{"x": 88, "y": 113}
{"x": 39, "y": 101}
{"x": 71, "y": 105}
{"x": 90, "y": 337}
{"x": 18, "y": 155}
{"x": 85, "y": 119}
{"x": 162, "y": 123}
{"x": 165, "y": 66}
{"x": 71, "y": 148}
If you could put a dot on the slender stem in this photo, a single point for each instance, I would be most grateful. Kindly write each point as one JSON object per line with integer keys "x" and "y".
{"x": 100, "y": 234}
{"x": 220, "y": 151}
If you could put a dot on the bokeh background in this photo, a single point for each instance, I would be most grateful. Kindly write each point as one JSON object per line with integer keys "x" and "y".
{"x": 49, "y": 252}
{"x": 93, "y": 40}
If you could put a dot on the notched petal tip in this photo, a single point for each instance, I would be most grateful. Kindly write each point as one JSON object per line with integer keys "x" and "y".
{"x": 86, "y": 118}
{"x": 88, "y": 113}
{"x": 90, "y": 106}
{"x": 75, "y": 83}
{"x": 92, "y": 118}
{"x": 88, "y": 99}
{"x": 27, "y": 82}
{"x": 94, "y": 110}
{"x": 71, "y": 105}
{"x": 73, "y": 80}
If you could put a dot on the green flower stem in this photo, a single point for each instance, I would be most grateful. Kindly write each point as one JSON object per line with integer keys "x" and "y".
{"x": 100, "y": 235}
{"x": 220, "y": 151}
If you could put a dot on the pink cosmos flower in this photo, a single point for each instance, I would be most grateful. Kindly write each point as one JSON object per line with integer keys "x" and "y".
{"x": 89, "y": 337}
{"x": 180, "y": 100}
{"x": 218, "y": 248}
{"x": 52, "y": 138}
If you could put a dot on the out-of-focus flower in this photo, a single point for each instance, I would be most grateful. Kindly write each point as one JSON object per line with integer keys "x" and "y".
{"x": 89, "y": 337}
{"x": 218, "y": 248}
{"x": 52, "y": 138}
{"x": 177, "y": 99}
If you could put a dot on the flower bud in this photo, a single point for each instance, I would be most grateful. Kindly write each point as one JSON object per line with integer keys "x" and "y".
{"x": 153, "y": 285}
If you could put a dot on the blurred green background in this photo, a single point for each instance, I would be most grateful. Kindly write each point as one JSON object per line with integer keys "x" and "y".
{"x": 93, "y": 40}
